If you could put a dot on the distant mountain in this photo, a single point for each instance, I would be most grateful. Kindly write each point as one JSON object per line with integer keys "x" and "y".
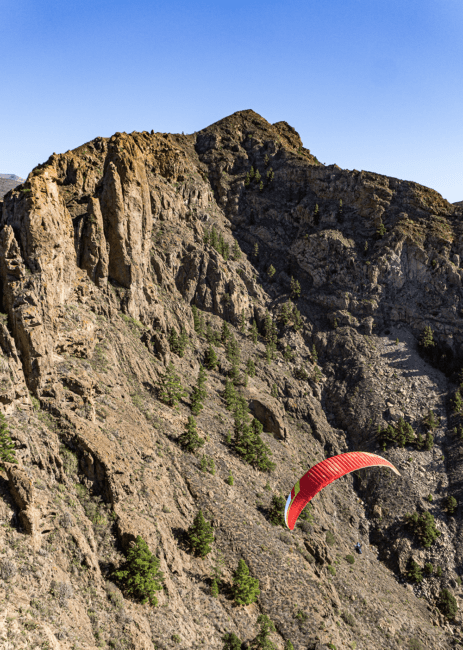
{"x": 8, "y": 182}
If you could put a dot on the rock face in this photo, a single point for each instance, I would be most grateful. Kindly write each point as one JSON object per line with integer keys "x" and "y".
{"x": 104, "y": 250}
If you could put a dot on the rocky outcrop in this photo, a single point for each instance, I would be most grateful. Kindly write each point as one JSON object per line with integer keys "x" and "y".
{"x": 103, "y": 252}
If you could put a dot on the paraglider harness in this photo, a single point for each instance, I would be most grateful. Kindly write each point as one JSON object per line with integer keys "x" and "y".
{"x": 358, "y": 548}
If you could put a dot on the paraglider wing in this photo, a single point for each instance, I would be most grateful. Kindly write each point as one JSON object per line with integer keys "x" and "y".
{"x": 324, "y": 473}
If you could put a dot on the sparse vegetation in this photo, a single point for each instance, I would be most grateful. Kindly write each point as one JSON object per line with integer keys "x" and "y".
{"x": 7, "y": 446}
{"x": 423, "y": 527}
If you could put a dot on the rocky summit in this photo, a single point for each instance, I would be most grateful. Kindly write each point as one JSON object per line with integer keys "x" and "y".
{"x": 190, "y": 322}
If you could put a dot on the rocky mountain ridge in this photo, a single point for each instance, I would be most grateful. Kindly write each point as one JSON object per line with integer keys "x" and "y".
{"x": 104, "y": 251}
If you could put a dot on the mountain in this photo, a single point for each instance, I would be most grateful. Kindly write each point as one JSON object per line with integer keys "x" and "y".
{"x": 8, "y": 182}
{"x": 354, "y": 282}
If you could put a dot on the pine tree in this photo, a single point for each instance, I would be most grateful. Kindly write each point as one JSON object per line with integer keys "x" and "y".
{"x": 316, "y": 216}
{"x": 236, "y": 251}
{"x": 261, "y": 641}
{"x": 247, "y": 180}
{"x": 140, "y": 575}
{"x": 256, "y": 250}
{"x": 211, "y": 335}
{"x": 225, "y": 332}
{"x": 182, "y": 342}
{"x": 7, "y": 446}
{"x": 173, "y": 341}
{"x": 297, "y": 319}
{"x": 295, "y": 289}
{"x": 190, "y": 440}
{"x": 251, "y": 368}
{"x": 314, "y": 354}
{"x": 254, "y": 331}
{"x": 230, "y": 395}
{"x": 261, "y": 186}
{"x": 231, "y": 641}
{"x": 266, "y": 160}
{"x": 286, "y": 312}
{"x": 214, "y": 239}
{"x": 210, "y": 360}
{"x": 245, "y": 587}
{"x": 277, "y": 511}
{"x": 230, "y": 480}
{"x": 257, "y": 176}
{"x": 271, "y": 271}
{"x": 427, "y": 337}
{"x": 274, "y": 391}
{"x": 288, "y": 645}
{"x": 200, "y": 535}
{"x": 214, "y": 588}
{"x": 251, "y": 173}
{"x": 199, "y": 392}
{"x": 198, "y": 320}
{"x": 170, "y": 387}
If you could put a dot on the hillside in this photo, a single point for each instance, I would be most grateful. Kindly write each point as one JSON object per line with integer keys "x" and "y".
{"x": 9, "y": 182}
{"x": 105, "y": 250}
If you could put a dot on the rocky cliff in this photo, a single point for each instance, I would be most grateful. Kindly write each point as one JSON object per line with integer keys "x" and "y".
{"x": 354, "y": 282}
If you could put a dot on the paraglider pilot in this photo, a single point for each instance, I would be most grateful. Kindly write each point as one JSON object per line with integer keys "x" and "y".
{"x": 358, "y": 548}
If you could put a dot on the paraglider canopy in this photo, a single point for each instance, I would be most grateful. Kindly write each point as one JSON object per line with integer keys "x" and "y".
{"x": 324, "y": 473}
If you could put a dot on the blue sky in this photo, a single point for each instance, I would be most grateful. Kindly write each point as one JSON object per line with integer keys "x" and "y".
{"x": 368, "y": 84}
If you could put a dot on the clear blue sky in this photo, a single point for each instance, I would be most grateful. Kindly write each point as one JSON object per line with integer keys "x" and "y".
{"x": 368, "y": 84}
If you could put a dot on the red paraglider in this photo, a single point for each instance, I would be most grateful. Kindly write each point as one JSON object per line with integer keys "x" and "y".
{"x": 324, "y": 473}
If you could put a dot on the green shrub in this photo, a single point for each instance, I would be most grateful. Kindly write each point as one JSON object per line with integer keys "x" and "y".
{"x": 451, "y": 505}
{"x": 140, "y": 575}
{"x": 414, "y": 573}
{"x": 427, "y": 337}
{"x": 415, "y": 644}
{"x": 350, "y": 559}
{"x": 428, "y": 568}
{"x": 170, "y": 387}
{"x": 277, "y": 511}
{"x": 330, "y": 538}
{"x": 331, "y": 570}
{"x": 190, "y": 440}
{"x": 423, "y": 527}
{"x": 348, "y": 618}
{"x": 245, "y": 587}
{"x": 210, "y": 359}
{"x": 200, "y": 535}
{"x": 199, "y": 393}
{"x": 447, "y": 604}
{"x": 230, "y": 480}
{"x": 251, "y": 368}
{"x": 439, "y": 572}
{"x": 7, "y": 446}
{"x": 261, "y": 641}
{"x": 231, "y": 641}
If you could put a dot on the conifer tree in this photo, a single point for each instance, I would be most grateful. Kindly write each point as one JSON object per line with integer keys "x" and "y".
{"x": 7, "y": 446}
{"x": 198, "y": 320}
{"x": 257, "y": 176}
{"x": 232, "y": 350}
{"x": 251, "y": 368}
{"x": 236, "y": 251}
{"x": 224, "y": 332}
{"x": 261, "y": 186}
{"x": 190, "y": 440}
{"x": 182, "y": 342}
{"x": 274, "y": 391}
{"x": 295, "y": 289}
{"x": 297, "y": 319}
{"x": 214, "y": 239}
{"x": 256, "y": 250}
{"x": 288, "y": 645}
{"x": 286, "y": 312}
{"x": 170, "y": 387}
{"x": 245, "y": 587}
{"x": 316, "y": 216}
{"x": 266, "y": 160}
{"x": 210, "y": 360}
{"x": 427, "y": 337}
{"x": 314, "y": 354}
{"x": 271, "y": 271}
{"x": 140, "y": 575}
{"x": 254, "y": 331}
{"x": 214, "y": 588}
{"x": 231, "y": 641}
{"x": 200, "y": 535}
{"x": 251, "y": 173}
{"x": 230, "y": 395}
{"x": 199, "y": 392}
{"x": 247, "y": 180}
{"x": 211, "y": 335}
{"x": 173, "y": 341}
{"x": 262, "y": 641}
